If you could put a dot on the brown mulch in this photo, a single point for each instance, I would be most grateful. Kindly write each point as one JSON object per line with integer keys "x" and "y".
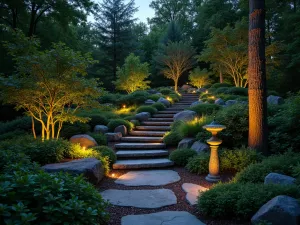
{"x": 117, "y": 212}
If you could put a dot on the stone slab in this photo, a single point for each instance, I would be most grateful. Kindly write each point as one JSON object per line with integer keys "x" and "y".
{"x": 149, "y": 177}
{"x": 142, "y": 163}
{"x": 146, "y": 199}
{"x": 141, "y": 153}
{"x": 140, "y": 145}
{"x": 162, "y": 218}
{"x": 192, "y": 191}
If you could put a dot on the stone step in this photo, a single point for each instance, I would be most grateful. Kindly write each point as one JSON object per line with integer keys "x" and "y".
{"x": 147, "y": 133}
{"x": 163, "y": 115}
{"x": 141, "y": 139}
{"x": 142, "y": 163}
{"x": 141, "y": 153}
{"x": 167, "y": 112}
{"x": 157, "y": 123}
{"x": 125, "y": 145}
{"x": 153, "y": 128}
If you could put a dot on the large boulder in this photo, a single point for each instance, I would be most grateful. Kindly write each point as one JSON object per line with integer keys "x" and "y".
{"x": 219, "y": 101}
{"x": 276, "y": 178}
{"x": 276, "y": 100}
{"x": 231, "y": 102}
{"x": 197, "y": 103}
{"x": 149, "y": 102}
{"x": 186, "y": 143}
{"x": 142, "y": 116}
{"x": 185, "y": 87}
{"x": 90, "y": 168}
{"x": 186, "y": 115}
{"x": 84, "y": 140}
{"x": 113, "y": 136}
{"x": 122, "y": 129}
{"x": 164, "y": 101}
{"x": 100, "y": 129}
{"x": 279, "y": 210}
{"x": 199, "y": 147}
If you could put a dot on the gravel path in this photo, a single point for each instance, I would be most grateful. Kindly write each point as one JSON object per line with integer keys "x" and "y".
{"x": 116, "y": 212}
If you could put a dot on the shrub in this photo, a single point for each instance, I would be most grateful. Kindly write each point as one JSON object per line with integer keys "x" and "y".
{"x": 199, "y": 163}
{"x": 221, "y": 90}
{"x": 97, "y": 120}
{"x": 238, "y": 91}
{"x": 191, "y": 128}
{"x": 154, "y": 97}
{"x": 235, "y": 118}
{"x": 99, "y": 138}
{"x": 159, "y": 106}
{"x": 148, "y": 109}
{"x": 106, "y": 152}
{"x": 175, "y": 97}
{"x": 117, "y": 122}
{"x": 255, "y": 173}
{"x": 109, "y": 98}
{"x": 165, "y": 91}
{"x": 205, "y": 109}
{"x": 180, "y": 156}
{"x": 37, "y": 197}
{"x": 242, "y": 201}
{"x": 68, "y": 129}
{"x": 218, "y": 85}
{"x": 22, "y": 123}
{"x": 9, "y": 157}
{"x": 135, "y": 98}
{"x": 172, "y": 138}
{"x": 272, "y": 92}
{"x": 12, "y": 134}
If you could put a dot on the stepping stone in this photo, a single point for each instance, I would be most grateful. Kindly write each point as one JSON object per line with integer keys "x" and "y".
{"x": 162, "y": 119}
{"x": 142, "y": 163}
{"x": 192, "y": 191}
{"x": 141, "y": 139}
{"x": 146, "y": 199}
{"x": 148, "y": 133}
{"x": 163, "y": 115}
{"x": 162, "y": 218}
{"x": 149, "y": 177}
{"x": 140, "y": 146}
{"x": 167, "y": 112}
{"x": 157, "y": 123}
{"x": 154, "y": 128}
{"x": 141, "y": 153}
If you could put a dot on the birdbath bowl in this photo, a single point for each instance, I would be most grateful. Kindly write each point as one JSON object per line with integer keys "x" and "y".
{"x": 214, "y": 142}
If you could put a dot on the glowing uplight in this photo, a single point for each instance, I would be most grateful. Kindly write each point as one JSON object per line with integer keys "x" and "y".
{"x": 83, "y": 148}
{"x": 206, "y": 92}
{"x": 124, "y": 106}
{"x": 113, "y": 175}
{"x": 169, "y": 99}
{"x": 194, "y": 91}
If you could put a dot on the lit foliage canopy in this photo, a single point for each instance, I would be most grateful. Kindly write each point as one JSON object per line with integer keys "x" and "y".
{"x": 132, "y": 75}
{"x": 175, "y": 59}
{"x": 199, "y": 78}
{"x": 49, "y": 85}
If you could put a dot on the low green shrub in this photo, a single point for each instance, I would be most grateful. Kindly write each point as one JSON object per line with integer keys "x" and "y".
{"x": 198, "y": 164}
{"x": 241, "y": 201}
{"x": 272, "y": 92}
{"x": 205, "y": 109}
{"x": 12, "y": 134}
{"x": 97, "y": 120}
{"x": 37, "y": 197}
{"x": 107, "y": 152}
{"x": 9, "y": 157}
{"x": 192, "y": 128}
{"x": 172, "y": 138}
{"x": 21, "y": 123}
{"x": 149, "y": 109}
{"x": 242, "y": 98}
{"x": 180, "y": 156}
{"x": 165, "y": 91}
{"x": 99, "y": 138}
{"x": 238, "y": 91}
{"x": 154, "y": 97}
{"x": 109, "y": 98}
{"x": 175, "y": 97}
{"x": 221, "y": 90}
{"x": 135, "y": 98}
{"x": 117, "y": 122}
{"x": 68, "y": 130}
{"x": 129, "y": 118}
{"x": 218, "y": 85}
{"x": 255, "y": 173}
{"x": 159, "y": 106}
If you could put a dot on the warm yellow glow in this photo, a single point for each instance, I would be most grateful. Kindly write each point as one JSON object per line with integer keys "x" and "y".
{"x": 169, "y": 99}
{"x": 124, "y": 106}
{"x": 125, "y": 110}
{"x": 206, "y": 92}
{"x": 194, "y": 91}
{"x": 212, "y": 97}
{"x": 83, "y": 148}
{"x": 113, "y": 175}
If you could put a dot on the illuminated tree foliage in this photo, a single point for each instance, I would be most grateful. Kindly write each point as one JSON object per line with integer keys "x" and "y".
{"x": 132, "y": 75}
{"x": 175, "y": 59}
{"x": 198, "y": 77}
{"x": 49, "y": 85}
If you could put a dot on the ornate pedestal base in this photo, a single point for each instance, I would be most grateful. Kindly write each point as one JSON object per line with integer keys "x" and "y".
{"x": 212, "y": 179}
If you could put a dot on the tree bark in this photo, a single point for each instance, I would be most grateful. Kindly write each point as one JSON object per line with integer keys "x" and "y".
{"x": 221, "y": 77}
{"x": 258, "y": 136}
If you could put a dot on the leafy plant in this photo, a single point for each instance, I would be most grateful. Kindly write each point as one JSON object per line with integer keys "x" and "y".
{"x": 117, "y": 122}
{"x": 70, "y": 130}
{"x": 149, "y": 109}
{"x": 180, "y": 156}
{"x": 193, "y": 127}
{"x": 205, "y": 109}
{"x": 159, "y": 106}
{"x": 106, "y": 152}
{"x": 154, "y": 97}
{"x": 198, "y": 77}
{"x": 238, "y": 91}
{"x": 99, "y": 138}
{"x": 198, "y": 164}
{"x": 172, "y": 138}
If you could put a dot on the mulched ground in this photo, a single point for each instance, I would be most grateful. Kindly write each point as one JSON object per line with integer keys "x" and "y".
{"x": 117, "y": 212}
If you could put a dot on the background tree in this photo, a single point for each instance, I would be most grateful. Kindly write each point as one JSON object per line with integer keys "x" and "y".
{"x": 132, "y": 75}
{"x": 198, "y": 77}
{"x": 175, "y": 59}
{"x": 258, "y": 136}
{"x": 114, "y": 25}
{"x": 49, "y": 85}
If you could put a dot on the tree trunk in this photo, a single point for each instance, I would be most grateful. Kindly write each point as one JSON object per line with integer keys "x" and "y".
{"x": 221, "y": 77}
{"x": 33, "y": 128}
{"x": 32, "y": 20}
{"x": 175, "y": 85}
{"x": 258, "y": 136}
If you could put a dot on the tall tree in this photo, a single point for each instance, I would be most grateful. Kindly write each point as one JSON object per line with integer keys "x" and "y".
{"x": 258, "y": 136}
{"x": 175, "y": 59}
{"x": 199, "y": 78}
{"x": 114, "y": 23}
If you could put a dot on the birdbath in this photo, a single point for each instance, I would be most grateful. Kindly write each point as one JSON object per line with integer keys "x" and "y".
{"x": 214, "y": 143}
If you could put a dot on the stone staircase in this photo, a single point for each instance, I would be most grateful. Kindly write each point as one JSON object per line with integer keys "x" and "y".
{"x": 144, "y": 147}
